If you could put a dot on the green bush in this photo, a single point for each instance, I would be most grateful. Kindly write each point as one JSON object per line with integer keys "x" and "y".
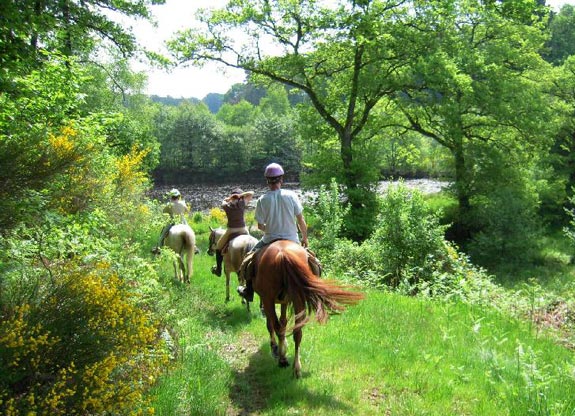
{"x": 408, "y": 237}
{"x": 81, "y": 347}
{"x": 504, "y": 211}
{"x": 408, "y": 253}
{"x": 328, "y": 212}
{"x": 361, "y": 219}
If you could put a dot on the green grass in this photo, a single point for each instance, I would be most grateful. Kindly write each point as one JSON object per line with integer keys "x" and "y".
{"x": 388, "y": 355}
{"x": 552, "y": 268}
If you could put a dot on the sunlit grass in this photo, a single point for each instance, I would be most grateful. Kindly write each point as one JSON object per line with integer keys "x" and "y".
{"x": 388, "y": 355}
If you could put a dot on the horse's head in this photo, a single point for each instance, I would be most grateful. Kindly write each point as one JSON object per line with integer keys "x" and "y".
{"x": 215, "y": 235}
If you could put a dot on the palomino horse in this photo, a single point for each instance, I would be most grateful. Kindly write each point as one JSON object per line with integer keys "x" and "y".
{"x": 284, "y": 276}
{"x": 237, "y": 249}
{"x": 182, "y": 240}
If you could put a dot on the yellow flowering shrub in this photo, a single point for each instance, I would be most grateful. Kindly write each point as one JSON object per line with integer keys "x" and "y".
{"x": 130, "y": 176}
{"x": 218, "y": 215}
{"x": 84, "y": 348}
{"x": 82, "y": 178}
{"x": 63, "y": 144}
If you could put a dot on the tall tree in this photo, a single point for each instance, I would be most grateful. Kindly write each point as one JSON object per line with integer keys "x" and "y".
{"x": 561, "y": 44}
{"x": 479, "y": 85}
{"x": 345, "y": 56}
{"x": 69, "y": 27}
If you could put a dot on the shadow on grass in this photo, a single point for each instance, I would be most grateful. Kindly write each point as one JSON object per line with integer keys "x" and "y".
{"x": 263, "y": 386}
{"x": 227, "y": 318}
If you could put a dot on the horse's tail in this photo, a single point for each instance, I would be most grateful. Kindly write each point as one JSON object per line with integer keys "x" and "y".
{"x": 319, "y": 296}
{"x": 189, "y": 242}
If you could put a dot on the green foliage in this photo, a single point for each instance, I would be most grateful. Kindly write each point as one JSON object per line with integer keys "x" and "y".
{"x": 408, "y": 236}
{"x": 35, "y": 138}
{"x": 504, "y": 214}
{"x": 361, "y": 219}
{"x": 330, "y": 212}
{"x": 411, "y": 155}
{"x": 239, "y": 114}
{"x": 407, "y": 252}
{"x": 188, "y": 135}
{"x": 77, "y": 302}
{"x": 275, "y": 102}
{"x": 67, "y": 28}
{"x": 82, "y": 345}
{"x": 236, "y": 143}
{"x": 561, "y": 44}
{"x": 475, "y": 88}
{"x": 275, "y": 139}
{"x": 570, "y": 230}
{"x": 406, "y": 248}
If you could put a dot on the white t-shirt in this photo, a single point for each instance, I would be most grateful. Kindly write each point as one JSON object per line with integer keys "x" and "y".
{"x": 177, "y": 208}
{"x": 278, "y": 210}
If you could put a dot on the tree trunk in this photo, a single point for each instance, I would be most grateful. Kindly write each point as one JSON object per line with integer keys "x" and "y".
{"x": 347, "y": 160}
{"x": 461, "y": 229}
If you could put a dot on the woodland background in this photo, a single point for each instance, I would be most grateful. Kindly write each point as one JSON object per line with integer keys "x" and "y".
{"x": 480, "y": 94}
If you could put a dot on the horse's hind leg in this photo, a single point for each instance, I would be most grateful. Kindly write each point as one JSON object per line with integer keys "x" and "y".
{"x": 227, "y": 273}
{"x": 175, "y": 264}
{"x": 190, "y": 264}
{"x": 182, "y": 273}
{"x": 272, "y": 323}
{"x": 297, "y": 337}
{"x": 281, "y": 333}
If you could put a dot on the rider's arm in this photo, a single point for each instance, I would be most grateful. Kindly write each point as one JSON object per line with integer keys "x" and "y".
{"x": 302, "y": 229}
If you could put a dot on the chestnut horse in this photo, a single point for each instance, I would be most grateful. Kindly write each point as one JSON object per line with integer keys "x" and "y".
{"x": 237, "y": 249}
{"x": 284, "y": 277}
{"x": 182, "y": 240}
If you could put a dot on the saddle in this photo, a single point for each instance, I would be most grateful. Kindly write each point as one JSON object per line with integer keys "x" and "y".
{"x": 230, "y": 238}
{"x": 314, "y": 263}
{"x": 248, "y": 269}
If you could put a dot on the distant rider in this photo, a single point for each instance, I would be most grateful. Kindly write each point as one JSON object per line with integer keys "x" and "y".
{"x": 177, "y": 209}
{"x": 234, "y": 206}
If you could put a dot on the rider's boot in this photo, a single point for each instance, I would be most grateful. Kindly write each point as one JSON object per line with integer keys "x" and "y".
{"x": 217, "y": 269}
{"x": 247, "y": 291}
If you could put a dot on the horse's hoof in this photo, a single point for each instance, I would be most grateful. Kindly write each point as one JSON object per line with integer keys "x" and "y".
{"x": 216, "y": 271}
{"x": 283, "y": 363}
{"x": 275, "y": 352}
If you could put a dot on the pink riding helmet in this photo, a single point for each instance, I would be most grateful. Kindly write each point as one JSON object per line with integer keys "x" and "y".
{"x": 273, "y": 170}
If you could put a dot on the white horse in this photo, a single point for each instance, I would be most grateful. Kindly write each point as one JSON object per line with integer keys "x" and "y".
{"x": 182, "y": 240}
{"x": 236, "y": 250}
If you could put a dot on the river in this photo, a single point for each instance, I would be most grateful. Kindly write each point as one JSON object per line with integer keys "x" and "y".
{"x": 204, "y": 197}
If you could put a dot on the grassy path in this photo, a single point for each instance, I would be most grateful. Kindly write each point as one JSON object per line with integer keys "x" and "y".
{"x": 390, "y": 355}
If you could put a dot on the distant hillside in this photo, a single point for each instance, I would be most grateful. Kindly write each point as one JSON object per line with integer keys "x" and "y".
{"x": 212, "y": 100}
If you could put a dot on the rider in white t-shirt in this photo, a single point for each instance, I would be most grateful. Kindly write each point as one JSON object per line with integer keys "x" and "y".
{"x": 279, "y": 214}
{"x": 177, "y": 209}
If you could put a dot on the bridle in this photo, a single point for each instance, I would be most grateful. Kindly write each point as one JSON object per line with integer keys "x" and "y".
{"x": 212, "y": 242}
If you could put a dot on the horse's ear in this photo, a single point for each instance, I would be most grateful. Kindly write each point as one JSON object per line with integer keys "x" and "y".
{"x": 211, "y": 229}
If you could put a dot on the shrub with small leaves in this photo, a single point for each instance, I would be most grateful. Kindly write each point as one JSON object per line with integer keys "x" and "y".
{"x": 329, "y": 212}
{"x": 408, "y": 236}
{"x": 83, "y": 348}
